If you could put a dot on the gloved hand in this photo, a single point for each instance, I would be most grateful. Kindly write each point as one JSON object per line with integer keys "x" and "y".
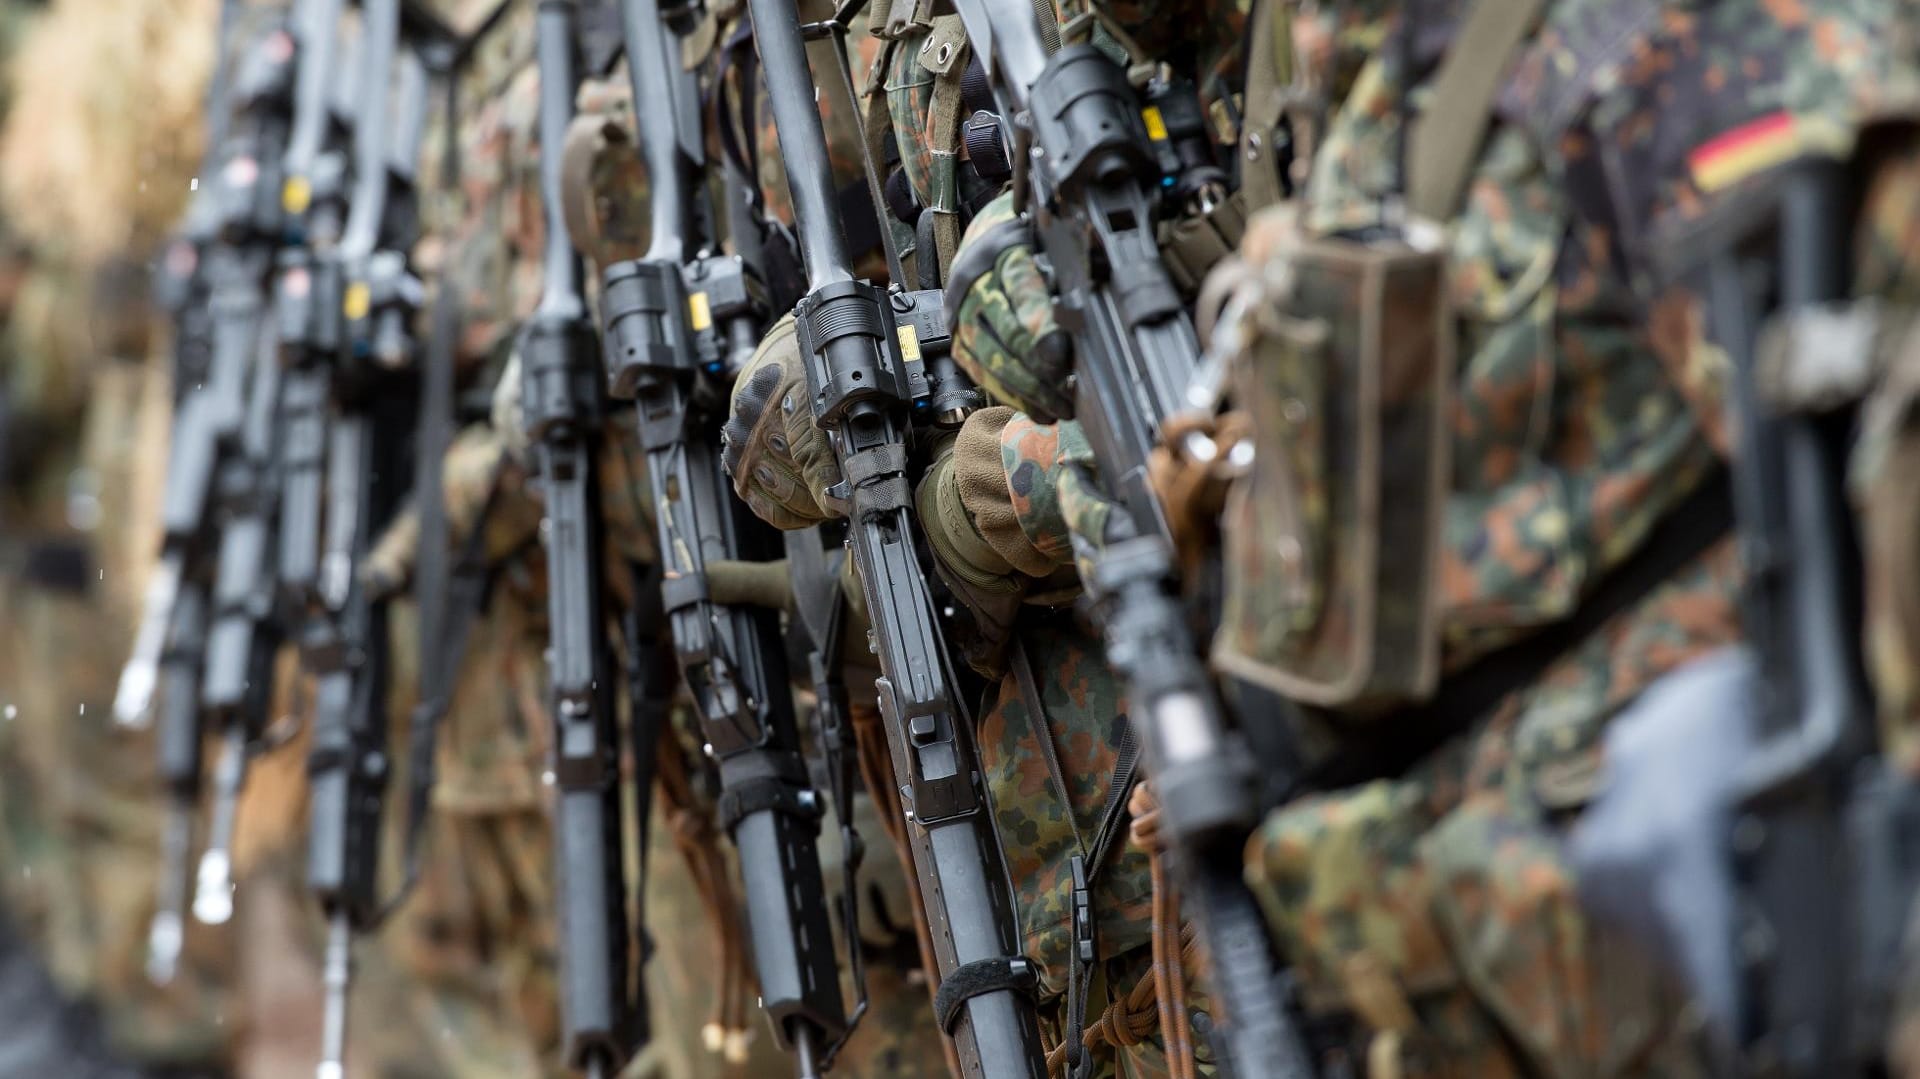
{"x": 1092, "y": 520}
{"x": 989, "y": 506}
{"x": 1000, "y": 308}
{"x": 479, "y": 477}
{"x": 781, "y": 464}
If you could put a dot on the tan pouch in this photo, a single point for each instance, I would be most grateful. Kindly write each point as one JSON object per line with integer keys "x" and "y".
{"x": 1333, "y": 538}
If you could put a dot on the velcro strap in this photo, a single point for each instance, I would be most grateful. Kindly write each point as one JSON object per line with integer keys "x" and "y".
{"x": 682, "y": 590}
{"x": 969, "y": 980}
{"x": 750, "y": 796}
{"x": 326, "y": 760}
{"x": 862, "y": 467}
{"x": 585, "y": 772}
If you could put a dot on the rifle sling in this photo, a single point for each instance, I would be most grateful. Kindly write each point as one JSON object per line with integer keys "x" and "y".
{"x": 447, "y": 618}
{"x": 1081, "y": 951}
{"x": 1401, "y": 739}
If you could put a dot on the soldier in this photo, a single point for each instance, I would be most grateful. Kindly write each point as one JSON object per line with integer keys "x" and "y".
{"x": 991, "y": 506}
{"x": 1434, "y": 909}
{"x": 490, "y": 801}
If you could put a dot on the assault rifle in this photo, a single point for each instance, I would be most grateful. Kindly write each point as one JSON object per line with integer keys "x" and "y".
{"x": 307, "y": 294}
{"x": 1087, "y": 179}
{"x": 561, "y": 391}
{"x": 223, "y": 410}
{"x": 173, "y": 629}
{"x": 869, "y": 352}
{"x": 345, "y": 641}
{"x": 1822, "y": 824}
{"x": 680, "y": 321}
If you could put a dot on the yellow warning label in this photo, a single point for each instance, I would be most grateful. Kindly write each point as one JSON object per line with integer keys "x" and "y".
{"x": 909, "y": 343}
{"x": 296, "y": 195}
{"x": 1156, "y": 125}
{"x": 357, "y": 302}
{"x": 699, "y": 311}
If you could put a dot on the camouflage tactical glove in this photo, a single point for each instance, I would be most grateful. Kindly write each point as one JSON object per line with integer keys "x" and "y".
{"x": 992, "y": 507}
{"x": 781, "y": 464}
{"x": 1001, "y": 311}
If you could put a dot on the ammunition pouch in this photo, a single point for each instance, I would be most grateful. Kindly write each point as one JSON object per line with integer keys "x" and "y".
{"x": 1193, "y": 245}
{"x": 1333, "y": 539}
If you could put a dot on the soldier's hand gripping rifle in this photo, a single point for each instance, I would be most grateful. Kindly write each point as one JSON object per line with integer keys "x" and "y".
{"x": 561, "y": 401}
{"x": 344, "y": 642}
{"x": 859, "y": 341}
{"x": 680, "y": 321}
{"x": 223, "y": 398}
{"x": 1088, "y": 178}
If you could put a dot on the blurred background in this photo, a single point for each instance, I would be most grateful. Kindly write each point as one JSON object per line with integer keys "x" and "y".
{"x": 102, "y": 105}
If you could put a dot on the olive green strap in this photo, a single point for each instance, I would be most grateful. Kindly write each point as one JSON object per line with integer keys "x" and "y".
{"x": 1444, "y": 143}
{"x": 750, "y": 584}
{"x": 944, "y": 133}
{"x": 1269, "y": 73}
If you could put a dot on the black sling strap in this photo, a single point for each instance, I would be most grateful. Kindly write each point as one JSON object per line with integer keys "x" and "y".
{"x": 1468, "y": 695}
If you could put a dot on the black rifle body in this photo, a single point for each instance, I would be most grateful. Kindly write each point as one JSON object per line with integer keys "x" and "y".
{"x": 218, "y": 476}
{"x": 679, "y": 322}
{"x": 1093, "y": 204}
{"x": 1822, "y": 831}
{"x": 344, "y": 639}
{"x": 561, "y": 399}
{"x": 860, "y": 379}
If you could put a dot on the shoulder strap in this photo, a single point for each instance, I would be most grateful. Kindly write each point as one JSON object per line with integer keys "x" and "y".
{"x": 1269, "y": 73}
{"x": 1444, "y": 143}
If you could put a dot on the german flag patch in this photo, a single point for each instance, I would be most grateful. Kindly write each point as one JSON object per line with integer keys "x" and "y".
{"x": 1759, "y": 145}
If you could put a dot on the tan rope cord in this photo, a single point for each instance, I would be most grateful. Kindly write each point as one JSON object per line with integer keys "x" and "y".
{"x": 697, "y": 841}
{"x": 1169, "y": 966}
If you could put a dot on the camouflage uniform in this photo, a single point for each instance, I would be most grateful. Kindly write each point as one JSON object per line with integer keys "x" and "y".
{"x": 1437, "y": 909}
{"x": 998, "y": 520}
{"x": 990, "y": 506}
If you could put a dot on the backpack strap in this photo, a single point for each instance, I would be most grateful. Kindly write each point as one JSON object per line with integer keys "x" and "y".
{"x": 1443, "y": 145}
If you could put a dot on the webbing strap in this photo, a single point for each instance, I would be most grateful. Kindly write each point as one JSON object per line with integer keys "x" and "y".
{"x": 1470, "y": 694}
{"x": 1444, "y": 143}
{"x": 969, "y": 980}
{"x": 1269, "y": 74}
{"x": 749, "y": 796}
